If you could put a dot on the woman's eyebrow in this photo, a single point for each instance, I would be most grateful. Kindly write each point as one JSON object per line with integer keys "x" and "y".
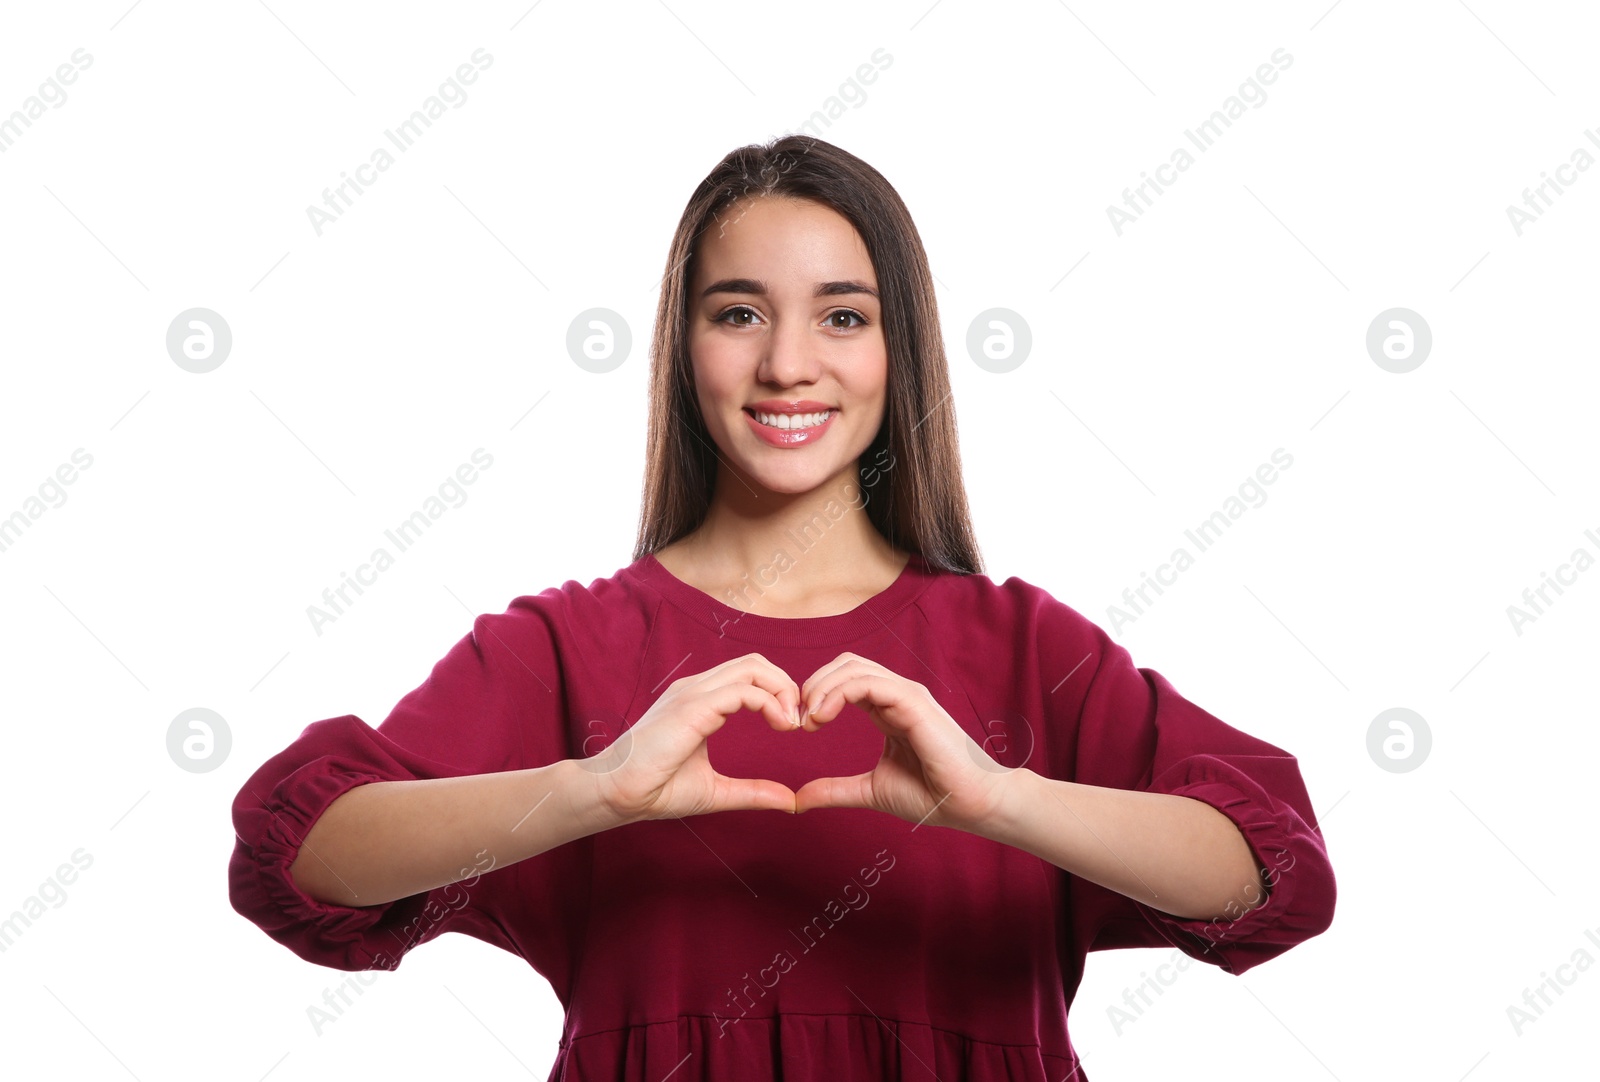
{"x": 759, "y": 288}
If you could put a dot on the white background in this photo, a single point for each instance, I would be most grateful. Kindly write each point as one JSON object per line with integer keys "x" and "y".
{"x": 430, "y": 319}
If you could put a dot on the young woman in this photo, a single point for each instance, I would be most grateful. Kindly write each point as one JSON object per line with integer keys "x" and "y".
{"x": 932, "y": 794}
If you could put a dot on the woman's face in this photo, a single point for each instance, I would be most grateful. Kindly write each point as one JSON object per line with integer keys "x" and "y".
{"x": 784, "y": 325}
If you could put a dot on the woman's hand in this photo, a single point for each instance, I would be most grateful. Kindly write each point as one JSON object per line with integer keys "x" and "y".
{"x": 931, "y": 770}
{"x": 659, "y": 769}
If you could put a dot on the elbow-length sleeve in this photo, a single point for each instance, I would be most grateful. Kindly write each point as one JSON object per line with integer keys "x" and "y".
{"x": 493, "y": 703}
{"x": 1127, "y": 727}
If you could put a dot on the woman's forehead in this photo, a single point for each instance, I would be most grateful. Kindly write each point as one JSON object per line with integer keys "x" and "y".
{"x": 784, "y": 243}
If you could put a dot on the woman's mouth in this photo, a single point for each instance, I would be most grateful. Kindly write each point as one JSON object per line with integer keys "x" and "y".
{"x": 790, "y": 429}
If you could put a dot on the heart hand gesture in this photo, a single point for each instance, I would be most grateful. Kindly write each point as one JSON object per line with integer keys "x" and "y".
{"x": 659, "y": 768}
{"x": 931, "y": 770}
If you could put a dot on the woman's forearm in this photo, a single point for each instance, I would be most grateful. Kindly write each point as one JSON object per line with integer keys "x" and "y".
{"x": 390, "y": 839}
{"x": 1174, "y": 853}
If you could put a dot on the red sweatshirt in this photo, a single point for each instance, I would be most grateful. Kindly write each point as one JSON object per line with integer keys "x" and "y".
{"x": 840, "y": 944}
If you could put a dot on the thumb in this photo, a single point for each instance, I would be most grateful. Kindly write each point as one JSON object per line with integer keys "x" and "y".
{"x": 739, "y": 794}
{"x": 854, "y": 791}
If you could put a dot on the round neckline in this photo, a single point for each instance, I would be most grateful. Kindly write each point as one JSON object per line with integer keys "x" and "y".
{"x": 729, "y": 622}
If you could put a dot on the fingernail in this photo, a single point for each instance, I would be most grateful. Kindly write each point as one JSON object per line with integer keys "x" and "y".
{"x": 798, "y": 717}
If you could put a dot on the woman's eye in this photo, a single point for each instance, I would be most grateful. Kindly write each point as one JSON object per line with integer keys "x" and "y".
{"x": 741, "y": 309}
{"x": 734, "y": 317}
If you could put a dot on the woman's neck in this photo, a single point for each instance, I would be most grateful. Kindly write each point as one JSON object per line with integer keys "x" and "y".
{"x": 814, "y": 554}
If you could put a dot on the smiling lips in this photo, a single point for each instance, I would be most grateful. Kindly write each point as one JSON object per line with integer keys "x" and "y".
{"x": 790, "y": 424}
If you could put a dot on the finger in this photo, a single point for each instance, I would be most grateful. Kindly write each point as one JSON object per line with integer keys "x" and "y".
{"x": 757, "y": 670}
{"x": 851, "y": 792}
{"x": 884, "y": 693}
{"x": 816, "y": 689}
{"x": 820, "y": 677}
{"x": 730, "y": 698}
{"x": 740, "y": 794}
{"x": 826, "y": 679}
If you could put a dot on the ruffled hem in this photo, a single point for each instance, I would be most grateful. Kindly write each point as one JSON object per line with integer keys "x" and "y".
{"x": 800, "y": 1048}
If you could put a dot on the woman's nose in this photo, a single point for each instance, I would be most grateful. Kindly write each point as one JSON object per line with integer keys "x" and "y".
{"x": 789, "y": 355}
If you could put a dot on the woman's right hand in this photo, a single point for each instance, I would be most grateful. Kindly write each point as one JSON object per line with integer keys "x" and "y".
{"x": 659, "y": 768}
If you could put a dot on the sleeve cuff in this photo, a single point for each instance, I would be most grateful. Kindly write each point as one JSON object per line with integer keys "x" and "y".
{"x": 1294, "y": 866}
{"x": 332, "y": 935}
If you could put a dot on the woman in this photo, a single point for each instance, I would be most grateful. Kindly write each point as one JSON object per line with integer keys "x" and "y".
{"x": 960, "y": 788}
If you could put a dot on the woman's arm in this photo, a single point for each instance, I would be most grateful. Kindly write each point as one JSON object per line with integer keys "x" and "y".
{"x": 390, "y": 839}
{"x": 1174, "y": 853}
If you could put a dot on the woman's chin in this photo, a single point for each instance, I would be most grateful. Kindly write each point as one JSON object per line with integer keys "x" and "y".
{"x": 793, "y": 481}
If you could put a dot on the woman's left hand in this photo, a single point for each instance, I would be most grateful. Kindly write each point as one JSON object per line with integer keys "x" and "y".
{"x": 931, "y": 771}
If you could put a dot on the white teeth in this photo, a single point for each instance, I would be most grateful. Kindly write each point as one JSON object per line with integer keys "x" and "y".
{"x": 792, "y": 420}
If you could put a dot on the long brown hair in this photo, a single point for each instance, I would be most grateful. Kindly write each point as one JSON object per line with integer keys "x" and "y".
{"x": 916, "y": 499}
